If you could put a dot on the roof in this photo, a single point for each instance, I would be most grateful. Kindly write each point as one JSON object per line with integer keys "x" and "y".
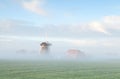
{"x": 45, "y": 43}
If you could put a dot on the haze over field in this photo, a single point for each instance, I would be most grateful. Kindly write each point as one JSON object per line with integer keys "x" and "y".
{"x": 90, "y": 26}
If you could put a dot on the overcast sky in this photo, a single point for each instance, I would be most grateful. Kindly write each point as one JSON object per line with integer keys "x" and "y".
{"x": 92, "y": 26}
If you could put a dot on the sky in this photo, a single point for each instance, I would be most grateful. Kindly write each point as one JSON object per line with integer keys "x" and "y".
{"x": 92, "y": 26}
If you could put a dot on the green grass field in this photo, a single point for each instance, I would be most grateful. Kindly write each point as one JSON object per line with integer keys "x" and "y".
{"x": 59, "y": 70}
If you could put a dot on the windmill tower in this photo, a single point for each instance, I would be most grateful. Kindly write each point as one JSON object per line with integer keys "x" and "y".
{"x": 44, "y": 46}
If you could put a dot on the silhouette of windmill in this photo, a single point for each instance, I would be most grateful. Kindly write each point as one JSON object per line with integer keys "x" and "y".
{"x": 44, "y": 46}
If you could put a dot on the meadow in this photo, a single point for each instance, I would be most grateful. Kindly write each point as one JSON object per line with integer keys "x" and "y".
{"x": 59, "y": 69}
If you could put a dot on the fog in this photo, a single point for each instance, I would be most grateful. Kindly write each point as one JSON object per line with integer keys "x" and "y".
{"x": 29, "y": 49}
{"x": 54, "y": 56}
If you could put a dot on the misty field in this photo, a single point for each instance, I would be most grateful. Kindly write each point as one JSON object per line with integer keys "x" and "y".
{"x": 59, "y": 70}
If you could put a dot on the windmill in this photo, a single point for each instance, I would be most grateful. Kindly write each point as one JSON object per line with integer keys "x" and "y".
{"x": 44, "y": 46}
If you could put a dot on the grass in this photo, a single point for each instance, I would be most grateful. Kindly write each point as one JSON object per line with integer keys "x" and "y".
{"x": 59, "y": 70}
